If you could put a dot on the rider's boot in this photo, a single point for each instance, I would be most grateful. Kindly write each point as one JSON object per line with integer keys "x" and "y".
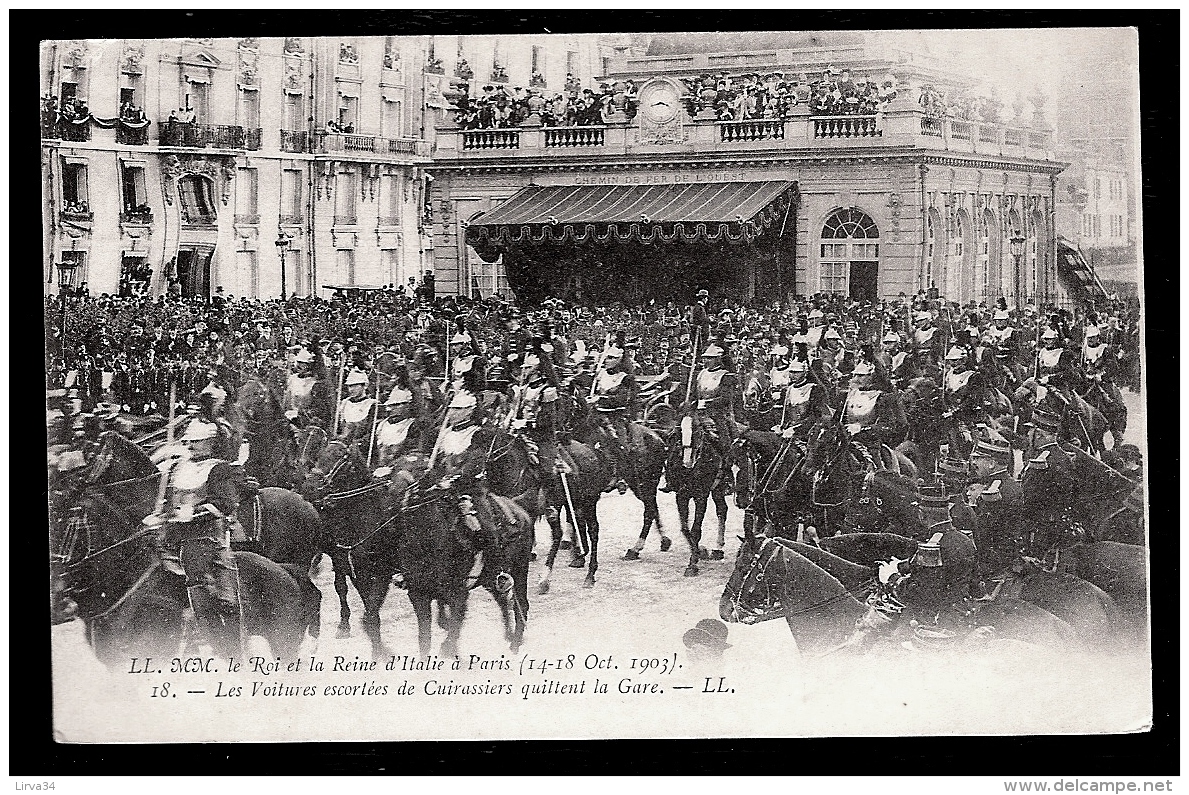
{"x": 168, "y": 553}
{"x": 222, "y": 583}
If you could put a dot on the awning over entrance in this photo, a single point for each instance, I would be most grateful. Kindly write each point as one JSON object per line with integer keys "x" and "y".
{"x": 1078, "y": 274}
{"x": 737, "y": 212}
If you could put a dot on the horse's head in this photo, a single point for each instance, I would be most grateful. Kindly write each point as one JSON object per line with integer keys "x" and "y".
{"x": 257, "y": 404}
{"x": 339, "y": 468}
{"x": 311, "y": 442}
{"x": 747, "y": 594}
{"x": 824, "y": 443}
{"x": 691, "y": 433}
{"x": 756, "y": 388}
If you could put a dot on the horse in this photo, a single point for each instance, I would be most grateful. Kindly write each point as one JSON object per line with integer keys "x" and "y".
{"x": 359, "y": 534}
{"x": 642, "y": 472}
{"x": 285, "y": 528}
{"x": 1112, "y": 409}
{"x": 1079, "y": 419}
{"x": 693, "y": 472}
{"x": 846, "y": 480}
{"x": 272, "y": 450}
{"x": 440, "y": 563}
{"x": 824, "y": 598}
{"x": 773, "y": 486}
{"x": 105, "y": 571}
{"x": 923, "y": 409}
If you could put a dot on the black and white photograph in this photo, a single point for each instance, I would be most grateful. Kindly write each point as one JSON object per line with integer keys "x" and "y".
{"x": 568, "y": 386}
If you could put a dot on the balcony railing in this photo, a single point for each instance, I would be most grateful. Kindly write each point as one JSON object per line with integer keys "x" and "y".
{"x": 326, "y": 143}
{"x": 1013, "y": 138}
{"x": 345, "y": 220}
{"x": 134, "y": 136}
{"x": 76, "y": 214}
{"x": 931, "y": 126}
{"x": 247, "y": 219}
{"x": 986, "y": 134}
{"x": 220, "y": 136}
{"x": 961, "y": 130}
{"x": 136, "y": 217}
{"x": 295, "y": 141}
{"x": 1038, "y": 140}
{"x": 574, "y": 136}
{"x": 845, "y": 127}
{"x": 388, "y": 220}
{"x": 288, "y": 219}
{"x": 758, "y": 130}
{"x": 69, "y": 131}
{"x": 491, "y": 139}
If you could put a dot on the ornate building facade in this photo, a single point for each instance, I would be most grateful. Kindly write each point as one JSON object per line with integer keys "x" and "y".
{"x": 253, "y": 165}
{"x": 905, "y": 195}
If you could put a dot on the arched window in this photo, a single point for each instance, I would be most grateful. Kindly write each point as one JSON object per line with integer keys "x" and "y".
{"x": 983, "y": 233}
{"x": 955, "y": 262}
{"x": 850, "y": 254}
{"x": 198, "y": 199}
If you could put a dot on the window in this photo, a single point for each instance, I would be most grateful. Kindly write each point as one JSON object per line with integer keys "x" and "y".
{"x": 539, "y": 59}
{"x": 246, "y": 183}
{"x": 198, "y": 203}
{"x": 74, "y": 188}
{"x": 983, "y": 227}
{"x": 348, "y": 112}
{"x": 930, "y": 240}
{"x": 127, "y": 96}
{"x": 295, "y": 118}
{"x": 834, "y": 277}
{"x": 1098, "y": 187}
{"x": 344, "y": 198}
{"x": 247, "y": 272}
{"x": 1097, "y": 226}
{"x": 197, "y": 97}
{"x": 345, "y": 262}
{"x": 606, "y": 67}
{"x": 572, "y": 63}
{"x": 135, "y": 197}
{"x": 849, "y": 235}
{"x": 390, "y": 198}
{"x": 392, "y": 120}
{"x": 291, "y": 210}
{"x": 249, "y": 109}
{"x": 390, "y": 265}
{"x": 69, "y": 92}
{"x": 391, "y": 53}
{"x": 74, "y": 276}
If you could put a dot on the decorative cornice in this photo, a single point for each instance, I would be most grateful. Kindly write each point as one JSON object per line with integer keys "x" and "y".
{"x": 748, "y": 160}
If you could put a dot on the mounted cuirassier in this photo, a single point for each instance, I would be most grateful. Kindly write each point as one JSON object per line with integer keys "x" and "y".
{"x": 1055, "y": 366}
{"x": 928, "y": 342}
{"x": 872, "y": 412}
{"x": 779, "y": 373}
{"x": 534, "y": 411}
{"x": 718, "y": 399}
{"x": 357, "y": 411}
{"x": 963, "y": 395}
{"x": 805, "y": 400}
{"x": 468, "y": 368}
{"x": 894, "y": 359}
{"x": 401, "y": 432}
{"x": 308, "y": 399}
{"x": 200, "y": 496}
{"x": 615, "y": 403}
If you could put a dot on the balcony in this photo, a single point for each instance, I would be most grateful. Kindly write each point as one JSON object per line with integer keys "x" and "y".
{"x": 297, "y": 141}
{"x": 335, "y": 143}
{"x": 574, "y": 136}
{"x": 133, "y": 136}
{"x": 902, "y": 128}
{"x": 757, "y": 130}
{"x": 69, "y": 131}
{"x": 199, "y": 136}
{"x": 76, "y": 211}
{"x": 345, "y": 220}
{"x": 846, "y": 127}
{"x": 141, "y": 217}
{"x": 290, "y": 219}
{"x": 491, "y": 139}
{"x": 247, "y": 219}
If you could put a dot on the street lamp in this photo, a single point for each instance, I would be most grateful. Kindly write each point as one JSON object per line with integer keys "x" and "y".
{"x": 283, "y": 246}
{"x": 1016, "y": 246}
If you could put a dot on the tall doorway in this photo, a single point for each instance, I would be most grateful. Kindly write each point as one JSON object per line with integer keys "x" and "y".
{"x": 864, "y": 281}
{"x": 194, "y": 272}
{"x": 850, "y": 255}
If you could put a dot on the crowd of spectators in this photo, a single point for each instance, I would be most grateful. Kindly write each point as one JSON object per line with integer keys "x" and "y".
{"x": 964, "y": 107}
{"x": 772, "y": 96}
{"x": 499, "y": 106}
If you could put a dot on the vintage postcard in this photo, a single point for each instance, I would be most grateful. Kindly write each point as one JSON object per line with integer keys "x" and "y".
{"x": 781, "y": 384}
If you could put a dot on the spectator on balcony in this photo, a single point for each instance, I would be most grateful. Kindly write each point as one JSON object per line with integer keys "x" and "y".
{"x": 573, "y": 85}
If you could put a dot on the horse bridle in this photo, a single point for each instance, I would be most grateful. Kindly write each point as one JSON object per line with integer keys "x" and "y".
{"x": 822, "y": 474}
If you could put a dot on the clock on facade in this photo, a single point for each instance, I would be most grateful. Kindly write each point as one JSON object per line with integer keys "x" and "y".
{"x": 659, "y": 102}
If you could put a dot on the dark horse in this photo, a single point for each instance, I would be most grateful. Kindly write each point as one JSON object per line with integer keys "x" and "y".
{"x": 359, "y": 532}
{"x": 692, "y": 471}
{"x": 272, "y": 450}
{"x": 105, "y": 571}
{"x": 440, "y": 564}
{"x": 642, "y": 472}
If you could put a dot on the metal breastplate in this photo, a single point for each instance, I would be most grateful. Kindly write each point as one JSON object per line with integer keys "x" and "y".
{"x": 1094, "y": 355}
{"x": 1001, "y": 336}
{"x": 530, "y": 402}
{"x": 394, "y": 434}
{"x": 923, "y": 338}
{"x": 188, "y": 487}
{"x": 797, "y": 403}
{"x": 860, "y": 406}
{"x": 1050, "y": 359}
{"x": 353, "y": 412}
{"x": 956, "y": 382}
{"x": 778, "y": 378}
{"x": 898, "y": 361}
{"x": 456, "y": 443}
{"x": 607, "y": 383}
{"x": 298, "y": 391}
{"x": 710, "y": 384}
